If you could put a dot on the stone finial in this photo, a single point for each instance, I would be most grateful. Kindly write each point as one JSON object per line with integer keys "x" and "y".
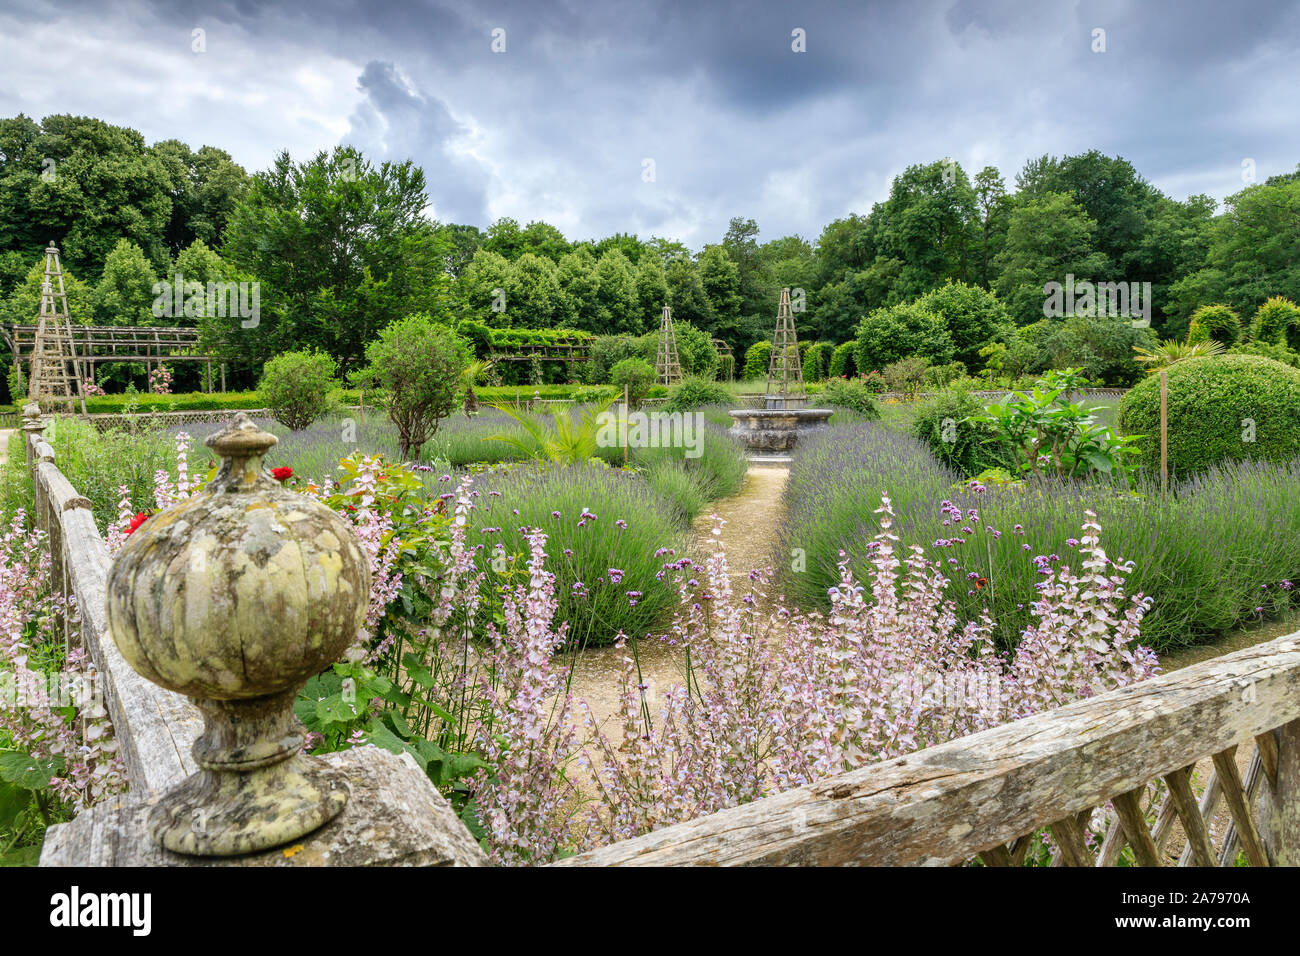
{"x": 235, "y": 597}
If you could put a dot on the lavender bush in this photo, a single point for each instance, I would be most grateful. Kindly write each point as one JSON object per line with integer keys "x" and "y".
{"x": 607, "y": 534}
{"x": 1219, "y": 550}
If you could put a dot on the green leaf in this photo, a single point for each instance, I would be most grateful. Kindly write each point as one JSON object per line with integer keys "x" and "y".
{"x": 27, "y": 772}
{"x": 1100, "y": 461}
{"x": 399, "y": 724}
{"x": 460, "y": 765}
{"x": 469, "y": 817}
{"x": 441, "y": 713}
{"x": 385, "y": 739}
{"x": 13, "y": 801}
{"x": 21, "y": 856}
{"x": 336, "y": 710}
{"x": 417, "y": 671}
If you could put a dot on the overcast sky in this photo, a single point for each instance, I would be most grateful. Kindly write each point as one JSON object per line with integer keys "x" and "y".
{"x": 560, "y": 125}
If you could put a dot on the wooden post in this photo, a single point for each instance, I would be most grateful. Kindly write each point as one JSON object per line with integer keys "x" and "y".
{"x": 626, "y": 415}
{"x": 1276, "y": 809}
{"x": 1164, "y": 431}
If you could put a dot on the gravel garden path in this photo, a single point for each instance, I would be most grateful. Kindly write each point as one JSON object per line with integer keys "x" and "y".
{"x": 752, "y": 517}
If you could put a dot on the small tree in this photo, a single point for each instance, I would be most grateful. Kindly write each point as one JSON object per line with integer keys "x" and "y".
{"x": 637, "y": 375}
{"x": 296, "y": 387}
{"x": 906, "y": 376}
{"x": 419, "y": 365}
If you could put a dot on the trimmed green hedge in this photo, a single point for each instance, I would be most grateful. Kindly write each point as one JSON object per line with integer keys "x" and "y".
{"x": 580, "y": 393}
{"x": 184, "y": 402}
{"x": 844, "y": 361}
{"x": 505, "y": 338}
{"x": 1220, "y": 409}
{"x": 198, "y": 401}
{"x": 758, "y": 358}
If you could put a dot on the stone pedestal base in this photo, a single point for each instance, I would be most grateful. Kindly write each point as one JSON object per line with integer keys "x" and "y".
{"x": 395, "y": 817}
{"x": 775, "y": 430}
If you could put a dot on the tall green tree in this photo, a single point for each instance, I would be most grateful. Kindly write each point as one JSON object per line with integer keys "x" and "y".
{"x": 689, "y": 300}
{"x": 82, "y": 184}
{"x": 578, "y": 286}
{"x": 533, "y": 292}
{"x": 505, "y": 238}
{"x": 994, "y": 204}
{"x": 1115, "y": 197}
{"x": 651, "y": 291}
{"x": 204, "y": 188}
{"x": 741, "y": 243}
{"x": 720, "y": 279}
{"x": 543, "y": 239}
{"x": 341, "y": 249}
{"x": 617, "y": 310}
{"x": 480, "y": 290}
{"x": 1047, "y": 238}
{"x": 627, "y": 243}
{"x": 929, "y": 224}
{"x": 460, "y": 242}
{"x": 125, "y": 293}
{"x": 1254, "y": 251}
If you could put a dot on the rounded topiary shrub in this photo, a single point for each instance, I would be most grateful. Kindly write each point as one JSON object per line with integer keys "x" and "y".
{"x": 636, "y": 376}
{"x": 1221, "y": 408}
{"x": 1219, "y": 323}
{"x": 969, "y": 447}
{"x": 1275, "y": 320}
{"x": 817, "y": 361}
{"x": 296, "y": 387}
{"x": 758, "y": 359}
{"x": 844, "y": 361}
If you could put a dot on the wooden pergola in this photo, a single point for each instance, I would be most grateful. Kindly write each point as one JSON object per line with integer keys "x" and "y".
{"x": 94, "y": 344}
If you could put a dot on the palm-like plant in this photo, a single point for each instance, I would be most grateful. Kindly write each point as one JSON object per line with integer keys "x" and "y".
{"x": 1170, "y": 351}
{"x": 473, "y": 372}
{"x": 565, "y": 440}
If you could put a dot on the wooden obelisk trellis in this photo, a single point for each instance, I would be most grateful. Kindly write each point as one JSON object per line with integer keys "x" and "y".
{"x": 785, "y": 372}
{"x": 668, "y": 370}
{"x": 56, "y": 373}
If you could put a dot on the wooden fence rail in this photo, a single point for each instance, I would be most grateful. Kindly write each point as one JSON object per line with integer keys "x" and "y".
{"x": 987, "y": 794}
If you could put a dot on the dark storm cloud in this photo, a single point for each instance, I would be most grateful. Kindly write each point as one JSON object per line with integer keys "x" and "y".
{"x": 558, "y": 127}
{"x": 396, "y": 122}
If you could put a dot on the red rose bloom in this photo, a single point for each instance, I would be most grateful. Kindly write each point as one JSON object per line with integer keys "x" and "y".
{"x": 282, "y": 474}
{"x": 140, "y": 518}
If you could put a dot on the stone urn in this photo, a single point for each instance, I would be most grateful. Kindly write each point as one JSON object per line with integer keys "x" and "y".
{"x": 235, "y": 597}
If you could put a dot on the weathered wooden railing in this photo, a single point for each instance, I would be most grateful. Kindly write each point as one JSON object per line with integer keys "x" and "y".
{"x": 395, "y": 815}
{"x": 988, "y": 794}
{"x": 1124, "y": 763}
